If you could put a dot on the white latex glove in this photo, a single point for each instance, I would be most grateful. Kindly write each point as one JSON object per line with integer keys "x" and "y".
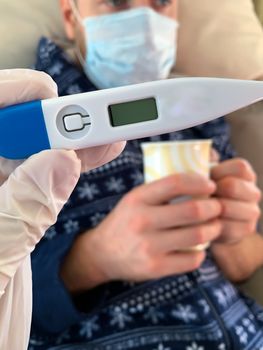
{"x": 32, "y": 193}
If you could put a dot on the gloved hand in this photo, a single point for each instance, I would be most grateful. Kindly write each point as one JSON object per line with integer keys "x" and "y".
{"x": 27, "y": 85}
{"x": 32, "y": 193}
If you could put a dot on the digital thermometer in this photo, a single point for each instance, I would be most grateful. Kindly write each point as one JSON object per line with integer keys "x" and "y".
{"x": 124, "y": 113}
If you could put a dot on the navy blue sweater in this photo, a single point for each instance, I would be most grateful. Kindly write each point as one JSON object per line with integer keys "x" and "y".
{"x": 195, "y": 311}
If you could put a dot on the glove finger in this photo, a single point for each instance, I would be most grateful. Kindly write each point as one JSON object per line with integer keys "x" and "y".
{"x": 23, "y": 85}
{"x": 17, "y": 86}
{"x": 95, "y": 157}
{"x": 30, "y": 201}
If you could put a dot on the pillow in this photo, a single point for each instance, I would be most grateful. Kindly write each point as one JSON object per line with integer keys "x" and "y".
{"x": 220, "y": 38}
{"x": 259, "y": 9}
{"x": 21, "y": 25}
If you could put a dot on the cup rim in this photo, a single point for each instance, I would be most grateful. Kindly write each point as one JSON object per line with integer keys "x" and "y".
{"x": 168, "y": 143}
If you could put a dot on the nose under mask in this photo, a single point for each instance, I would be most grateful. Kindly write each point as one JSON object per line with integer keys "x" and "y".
{"x": 129, "y": 47}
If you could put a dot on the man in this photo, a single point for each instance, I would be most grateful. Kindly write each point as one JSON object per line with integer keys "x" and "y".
{"x": 113, "y": 272}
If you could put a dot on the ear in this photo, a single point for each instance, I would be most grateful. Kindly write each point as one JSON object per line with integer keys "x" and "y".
{"x": 68, "y": 18}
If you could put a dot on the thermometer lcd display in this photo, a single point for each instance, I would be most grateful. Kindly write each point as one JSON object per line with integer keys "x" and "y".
{"x": 133, "y": 112}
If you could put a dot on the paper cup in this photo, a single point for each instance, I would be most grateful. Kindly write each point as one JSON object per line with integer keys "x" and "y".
{"x": 166, "y": 158}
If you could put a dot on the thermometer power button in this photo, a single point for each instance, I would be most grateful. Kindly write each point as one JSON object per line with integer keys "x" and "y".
{"x": 76, "y": 122}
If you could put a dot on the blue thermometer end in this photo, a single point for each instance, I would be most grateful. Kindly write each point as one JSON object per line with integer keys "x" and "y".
{"x": 23, "y": 130}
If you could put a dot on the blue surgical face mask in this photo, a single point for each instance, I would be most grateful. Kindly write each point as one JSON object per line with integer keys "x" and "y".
{"x": 129, "y": 47}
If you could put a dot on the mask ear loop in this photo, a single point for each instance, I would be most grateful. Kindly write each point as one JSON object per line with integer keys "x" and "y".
{"x": 79, "y": 19}
{"x": 75, "y": 11}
